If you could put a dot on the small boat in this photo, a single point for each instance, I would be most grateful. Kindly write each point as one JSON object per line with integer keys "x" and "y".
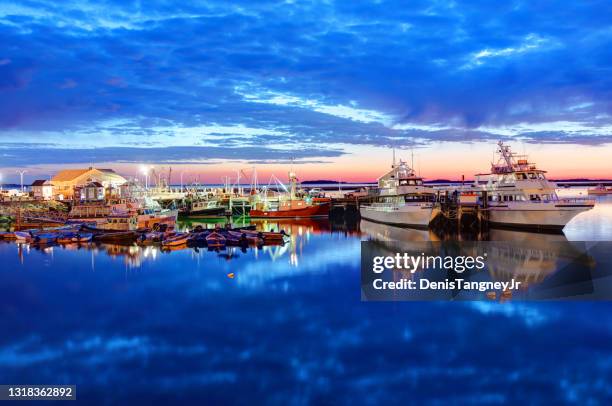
{"x": 600, "y": 190}
{"x": 151, "y": 237}
{"x": 22, "y": 236}
{"x": 250, "y": 238}
{"x": 178, "y": 239}
{"x": 65, "y": 238}
{"x": 7, "y": 236}
{"x": 215, "y": 240}
{"x": 82, "y": 237}
{"x": 233, "y": 238}
{"x": 43, "y": 238}
{"x": 116, "y": 237}
{"x": 268, "y": 236}
{"x": 198, "y": 238}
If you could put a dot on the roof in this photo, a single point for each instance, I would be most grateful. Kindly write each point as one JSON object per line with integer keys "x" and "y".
{"x": 69, "y": 174}
{"x": 39, "y": 182}
{"x": 94, "y": 184}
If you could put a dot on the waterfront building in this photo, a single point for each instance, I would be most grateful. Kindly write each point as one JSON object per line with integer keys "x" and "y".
{"x": 66, "y": 181}
{"x": 92, "y": 191}
{"x": 42, "y": 189}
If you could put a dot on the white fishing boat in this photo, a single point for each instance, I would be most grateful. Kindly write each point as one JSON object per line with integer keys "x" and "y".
{"x": 401, "y": 199}
{"x": 519, "y": 195}
{"x": 142, "y": 214}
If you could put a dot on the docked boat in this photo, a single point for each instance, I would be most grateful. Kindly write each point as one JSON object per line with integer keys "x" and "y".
{"x": 401, "y": 199}
{"x": 215, "y": 240}
{"x": 519, "y": 195}
{"x": 600, "y": 190}
{"x": 23, "y": 236}
{"x": 82, "y": 237}
{"x": 44, "y": 238}
{"x": 250, "y": 238}
{"x": 145, "y": 215}
{"x": 176, "y": 240}
{"x": 204, "y": 208}
{"x": 234, "y": 238}
{"x": 66, "y": 238}
{"x": 291, "y": 205}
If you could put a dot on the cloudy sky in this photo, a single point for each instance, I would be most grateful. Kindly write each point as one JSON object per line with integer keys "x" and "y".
{"x": 209, "y": 87}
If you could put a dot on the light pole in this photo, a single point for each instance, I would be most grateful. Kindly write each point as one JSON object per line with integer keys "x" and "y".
{"x": 145, "y": 171}
{"x": 182, "y": 173}
{"x": 21, "y": 176}
{"x": 0, "y": 181}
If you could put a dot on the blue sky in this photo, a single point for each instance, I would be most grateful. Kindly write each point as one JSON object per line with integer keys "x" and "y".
{"x": 213, "y": 82}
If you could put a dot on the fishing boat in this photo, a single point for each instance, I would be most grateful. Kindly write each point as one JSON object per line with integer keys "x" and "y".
{"x": 215, "y": 240}
{"x": 291, "y": 205}
{"x": 176, "y": 240}
{"x": 204, "y": 208}
{"x": 600, "y": 190}
{"x": 519, "y": 195}
{"x": 401, "y": 199}
{"x": 139, "y": 215}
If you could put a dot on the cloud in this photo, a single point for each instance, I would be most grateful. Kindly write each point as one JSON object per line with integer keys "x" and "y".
{"x": 342, "y": 73}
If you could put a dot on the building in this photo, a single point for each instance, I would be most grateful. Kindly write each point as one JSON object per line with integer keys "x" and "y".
{"x": 92, "y": 191}
{"x": 66, "y": 181}
{"x": 42, "y": 189}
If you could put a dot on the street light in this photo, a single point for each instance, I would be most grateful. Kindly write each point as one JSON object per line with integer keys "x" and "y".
{"x": 145, "y": 171}
{"x": 0, "y": 181}
{"x": 21, "y": 175}
{"x": 182, "y": 173}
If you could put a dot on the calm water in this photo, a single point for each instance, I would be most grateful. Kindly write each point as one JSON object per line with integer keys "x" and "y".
{"x": 129, "y": 324}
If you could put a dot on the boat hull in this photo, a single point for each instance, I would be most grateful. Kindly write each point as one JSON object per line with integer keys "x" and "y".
{"x": 552, "y": 217}
{"x": 408, "y": 215}
{"x": 319, "y": 210}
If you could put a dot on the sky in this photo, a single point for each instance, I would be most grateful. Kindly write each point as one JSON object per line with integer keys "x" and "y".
{"x": 326, "y": 88}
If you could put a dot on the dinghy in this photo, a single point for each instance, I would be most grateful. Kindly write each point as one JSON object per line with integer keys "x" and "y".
{"x": 215, "y": 240}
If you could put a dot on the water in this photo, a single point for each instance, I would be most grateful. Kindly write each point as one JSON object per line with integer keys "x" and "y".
{"x": 129, "y": 324}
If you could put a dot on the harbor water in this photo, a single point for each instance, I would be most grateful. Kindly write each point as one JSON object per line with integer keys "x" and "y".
{"x": 287, "y": 324}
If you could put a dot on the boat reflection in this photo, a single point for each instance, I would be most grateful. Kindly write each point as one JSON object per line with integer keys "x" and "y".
{"x": 300, "y": 234}
{"x": 384, "y": 232}
{"x": 529, "y": 258}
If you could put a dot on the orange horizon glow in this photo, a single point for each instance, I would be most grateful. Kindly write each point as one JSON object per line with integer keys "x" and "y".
{"x": 365, "y": 164}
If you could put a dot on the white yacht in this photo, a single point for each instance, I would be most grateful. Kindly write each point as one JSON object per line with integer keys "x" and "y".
{"x": 519, "y": 195}
{"x": 401, "y": 199}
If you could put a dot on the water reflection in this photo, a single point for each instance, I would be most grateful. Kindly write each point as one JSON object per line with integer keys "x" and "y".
{"x": 534, "y": 259}
{"x": 290, "y": 324}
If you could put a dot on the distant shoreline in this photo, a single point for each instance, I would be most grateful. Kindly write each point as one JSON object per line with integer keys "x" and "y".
{"x": 579, "y": 182}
